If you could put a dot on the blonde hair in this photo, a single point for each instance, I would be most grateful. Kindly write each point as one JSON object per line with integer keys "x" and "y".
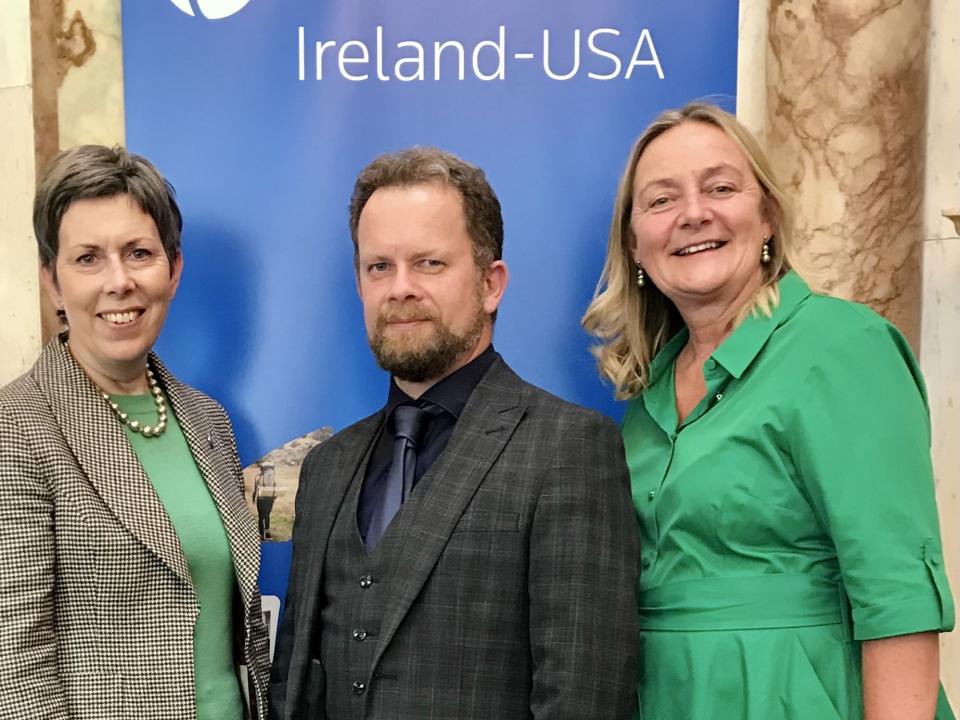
{"x": 634, "y": 323}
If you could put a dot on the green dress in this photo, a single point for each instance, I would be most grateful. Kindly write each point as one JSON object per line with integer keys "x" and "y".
{"x": 788, "y": 518}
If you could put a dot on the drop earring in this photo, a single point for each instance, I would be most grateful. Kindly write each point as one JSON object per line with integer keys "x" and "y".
{"x": 641, "y": 278}
{"x": 765, "y": 251}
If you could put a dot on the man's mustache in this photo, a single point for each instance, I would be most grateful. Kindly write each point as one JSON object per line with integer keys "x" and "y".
{"x": 404, "y": 314}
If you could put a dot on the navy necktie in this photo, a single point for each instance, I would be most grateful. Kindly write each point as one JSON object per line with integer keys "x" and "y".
{"x": 409, "y": 423}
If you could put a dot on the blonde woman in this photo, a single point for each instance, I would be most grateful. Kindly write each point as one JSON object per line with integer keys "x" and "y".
{"x": 778, "y": 442}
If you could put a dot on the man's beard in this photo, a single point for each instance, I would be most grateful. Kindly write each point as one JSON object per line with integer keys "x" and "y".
{"x": 411, "y": 359}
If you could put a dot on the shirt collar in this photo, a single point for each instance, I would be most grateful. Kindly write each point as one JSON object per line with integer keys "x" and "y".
{"x": 744, "y": 344}
{"x": 453, "y": 391}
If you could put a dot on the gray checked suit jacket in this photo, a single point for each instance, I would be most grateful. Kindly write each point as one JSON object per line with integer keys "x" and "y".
{"x": 488, "y": 619}
{"x": 96, "y": 601}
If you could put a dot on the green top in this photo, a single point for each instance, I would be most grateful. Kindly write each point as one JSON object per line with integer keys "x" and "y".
{"x": 169, "y": 464}
{"x": 790, "y": 516}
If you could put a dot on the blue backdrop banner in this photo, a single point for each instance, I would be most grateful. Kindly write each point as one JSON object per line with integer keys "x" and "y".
{"x": 261, "y": 113}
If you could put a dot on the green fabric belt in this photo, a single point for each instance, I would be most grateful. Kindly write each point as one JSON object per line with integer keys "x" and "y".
{"x": 743, "y": 603}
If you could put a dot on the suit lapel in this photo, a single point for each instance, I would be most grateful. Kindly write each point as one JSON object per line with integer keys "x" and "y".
{"x": 489, "y": 419}
{"x": 106, "y": 457}
{"x": 327, "y": 494}
{"x": 214, "y": 454}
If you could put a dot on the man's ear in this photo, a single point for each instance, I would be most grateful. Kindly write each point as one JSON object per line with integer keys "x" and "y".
{"x": 495, "y": 280}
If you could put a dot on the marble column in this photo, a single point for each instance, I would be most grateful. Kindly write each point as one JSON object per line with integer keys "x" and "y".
{"x": 19, "y": 308}
{"x": 940, "y": 342}
{"x": 751, "y": 67}
{"x": 90, "y": 100}
{"x": 846, "y": 100}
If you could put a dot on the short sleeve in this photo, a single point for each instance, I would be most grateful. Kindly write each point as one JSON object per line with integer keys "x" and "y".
{"x": 860, "y": 440}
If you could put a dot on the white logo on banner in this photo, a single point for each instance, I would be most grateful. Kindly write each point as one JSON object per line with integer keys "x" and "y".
{"x": 212, "y": 9}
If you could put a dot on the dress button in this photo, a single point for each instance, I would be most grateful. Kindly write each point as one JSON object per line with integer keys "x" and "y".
{"x": 651, "y": 495}
{"x": 366, "y": 581}
{"x": 359, "y": 688}
{"x": 719, "y": 396}
{"x": 359, "y": 634}
{"x": 711, "y": 364}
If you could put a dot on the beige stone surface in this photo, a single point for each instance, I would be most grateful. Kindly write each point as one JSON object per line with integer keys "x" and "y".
{"x": 943, "y": 124}
{"x": 941, "y": 352}
{"x": 846, "y": 97}
{"x": 91, "y": 91}
{"x": 751, "y": 66}
{"x": 19, "y": 299}
{"x": 940, "y": 344}
{"x": 19, "y": 304}
{"x": 15, "y": 44}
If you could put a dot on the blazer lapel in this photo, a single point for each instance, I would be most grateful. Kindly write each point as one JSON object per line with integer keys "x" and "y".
{"x": 106, "y": 457}
{"x": 214, "y": 454}
{"x": 327, "y": 494}
{"x": 489, "y": 419}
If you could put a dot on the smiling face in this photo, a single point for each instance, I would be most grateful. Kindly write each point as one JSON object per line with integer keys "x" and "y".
{"x": 698, "y": 217}
{"x": 426, "y": 304}
{"x": 115, "y": 283}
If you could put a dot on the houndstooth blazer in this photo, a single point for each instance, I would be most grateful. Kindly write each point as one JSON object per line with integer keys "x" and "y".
{"x": 97, "y": 606}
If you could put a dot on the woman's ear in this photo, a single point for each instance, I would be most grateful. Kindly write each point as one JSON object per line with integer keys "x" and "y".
{"x": 770, "y": 211}
{"x": 48, "y": 281}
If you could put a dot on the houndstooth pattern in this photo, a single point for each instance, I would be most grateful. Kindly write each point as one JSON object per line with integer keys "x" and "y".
{"x": 97, "y": 608}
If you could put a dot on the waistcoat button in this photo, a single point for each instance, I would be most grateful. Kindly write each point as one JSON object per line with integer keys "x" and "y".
{"x": 359, "y": 634}
{"x": 366, "y": 581}
{"x": 359, "y": 688}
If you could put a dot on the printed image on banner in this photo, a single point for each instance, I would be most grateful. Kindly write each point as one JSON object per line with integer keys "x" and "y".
{"x": 262, "y": 113}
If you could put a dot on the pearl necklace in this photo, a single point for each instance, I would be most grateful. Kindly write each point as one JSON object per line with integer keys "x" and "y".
{"x": 149, "y": 431}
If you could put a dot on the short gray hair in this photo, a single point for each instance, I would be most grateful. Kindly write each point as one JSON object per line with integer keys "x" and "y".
{"x": 94, "y": 171}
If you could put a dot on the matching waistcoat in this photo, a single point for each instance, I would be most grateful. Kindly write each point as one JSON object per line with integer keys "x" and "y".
{"x": 356, "y": 588}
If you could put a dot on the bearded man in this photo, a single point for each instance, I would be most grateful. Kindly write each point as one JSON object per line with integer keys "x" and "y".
{"x": 470, "y": 550}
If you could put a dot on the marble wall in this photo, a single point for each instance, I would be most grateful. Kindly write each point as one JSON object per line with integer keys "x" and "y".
{"x": 751, "y": 67}
{"x": 19, "y": 305}
{"x": 940, "y": 344}
{"x": 90, "y": 99}
{"x": 846, "y": 99}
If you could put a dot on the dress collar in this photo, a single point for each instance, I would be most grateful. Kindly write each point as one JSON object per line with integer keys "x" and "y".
{"x": 744, "y": 344}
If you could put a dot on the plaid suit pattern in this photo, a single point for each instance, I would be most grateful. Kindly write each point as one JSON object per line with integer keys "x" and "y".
{"x": 96, "y": 603}
{"x": 512, "y": 591}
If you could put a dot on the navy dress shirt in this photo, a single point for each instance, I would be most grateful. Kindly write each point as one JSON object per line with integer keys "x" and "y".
{"x": 445, "y": 402}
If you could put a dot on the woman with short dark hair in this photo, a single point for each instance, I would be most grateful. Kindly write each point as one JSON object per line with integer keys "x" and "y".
{"x": 128, "y": 559}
